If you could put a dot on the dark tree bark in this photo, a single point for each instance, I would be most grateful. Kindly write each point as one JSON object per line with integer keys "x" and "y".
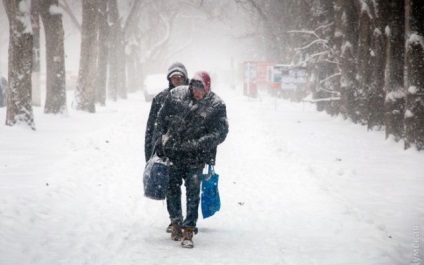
{"x": 327, "y": 70}
{"x": 113, "y": 78}
{"x": 102, "y": 64}
{"x": 55, "y": 57}
{"x": 332, "y": 66}
{"x": 394, "y": 82}
{"x": 377, "y": 66}
{"x": 364, "y": 66}
{"x": 85, "y": 93}
{"x": 349, "y": 18}
{"x": 337, "y": 42}
{"x": 414, "y": 114}
{"x": 122, "y": 77}
{"x": 36, "y": 86}
{"x": 19, "y": 108}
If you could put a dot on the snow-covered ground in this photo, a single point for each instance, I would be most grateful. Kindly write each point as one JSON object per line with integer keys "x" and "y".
{"x": 297, "y": 187}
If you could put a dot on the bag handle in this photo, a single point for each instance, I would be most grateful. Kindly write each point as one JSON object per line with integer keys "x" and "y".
{"x": 165, "y": 160}
{"x": 211, "y": 171}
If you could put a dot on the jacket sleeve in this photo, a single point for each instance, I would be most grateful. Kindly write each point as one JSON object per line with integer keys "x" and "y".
{"x": 150, "y": 128}
{"x": 160, "y": 126}
{"x": 217, "y": 129}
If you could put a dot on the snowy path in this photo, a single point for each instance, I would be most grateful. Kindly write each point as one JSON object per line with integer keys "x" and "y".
{"x": 281, "y": 176}
{"x": 297, "y": 187}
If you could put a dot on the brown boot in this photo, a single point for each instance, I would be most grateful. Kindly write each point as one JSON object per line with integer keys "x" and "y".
{"x": 187, "y": 241}
{"x": 169, "y": 228}
{"x": 176, "y": 232}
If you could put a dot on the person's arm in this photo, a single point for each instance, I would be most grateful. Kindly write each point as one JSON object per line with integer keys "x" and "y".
{"x": 217, "y": 132}
{"x": 150, "y": 127}
{"x": 160, "y": 126}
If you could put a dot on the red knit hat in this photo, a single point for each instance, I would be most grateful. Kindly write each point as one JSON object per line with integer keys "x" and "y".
{"x": 203, "y": 77}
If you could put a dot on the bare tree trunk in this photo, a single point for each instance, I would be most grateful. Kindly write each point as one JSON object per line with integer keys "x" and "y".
{"x": 333, "y": 67}
{"x": 132, "y": 36}
{"x": 337, "y": 40}
{"x": 36, "y": 86}
{"x": 19, "y": 108}
{"x": 326, "y": 72}
{"x": 113, "y": 80}
{"x": 85, "y": 93}
{"x": 414, "y": 114}
{"x": 364, "y": 76}
{"x": 55, "y": 57}
{"x": 133, "y": 60}
{"x": 122, "y": 84}
{"x": 101, "y": 79}
{"x": 349, "y": 29}
{"x": 377, "y": 66}
{"x": 394, "y": 81}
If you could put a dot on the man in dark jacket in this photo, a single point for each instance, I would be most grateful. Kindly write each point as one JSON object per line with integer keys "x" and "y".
{"x": 177, "y": 76}
{"x": 190, "y": 126}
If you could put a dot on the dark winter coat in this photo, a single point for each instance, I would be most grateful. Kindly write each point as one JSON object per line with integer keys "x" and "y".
{"x": 157, "y": 103}
{"x": 189, "y": 130}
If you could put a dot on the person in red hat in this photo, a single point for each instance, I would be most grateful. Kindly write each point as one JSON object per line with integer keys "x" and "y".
{"x": 190, "y": 126}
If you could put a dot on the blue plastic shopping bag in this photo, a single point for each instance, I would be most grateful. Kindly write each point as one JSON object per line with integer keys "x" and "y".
{"x": 210, "y": 201}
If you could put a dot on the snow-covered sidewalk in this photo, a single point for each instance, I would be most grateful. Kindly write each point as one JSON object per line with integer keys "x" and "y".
{"x": 297, "y": 187}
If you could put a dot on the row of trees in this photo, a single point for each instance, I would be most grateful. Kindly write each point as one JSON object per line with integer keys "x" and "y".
{"x": 367, "y": 53}
{"x": 120, "y": 42}
{"x": 102, "y": 48}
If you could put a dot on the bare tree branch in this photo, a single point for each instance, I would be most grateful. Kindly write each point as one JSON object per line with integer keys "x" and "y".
{"x": 65, "y": 6}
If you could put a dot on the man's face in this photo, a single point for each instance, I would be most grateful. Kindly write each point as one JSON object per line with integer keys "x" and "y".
{"x": 197, "y": 89}
{"x": 177, "y": 80}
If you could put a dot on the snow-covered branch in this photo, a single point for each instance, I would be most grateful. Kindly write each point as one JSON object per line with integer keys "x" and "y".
{"x": 324, "y": 26}
{"x": 312, "y": 43}
{"x": 310, "y": 32}
{"x": 330, "y": 77}
{"x": 320, "y": 88}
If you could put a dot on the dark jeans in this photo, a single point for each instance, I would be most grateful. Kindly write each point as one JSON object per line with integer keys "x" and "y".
{"x": 191, "y": 176}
